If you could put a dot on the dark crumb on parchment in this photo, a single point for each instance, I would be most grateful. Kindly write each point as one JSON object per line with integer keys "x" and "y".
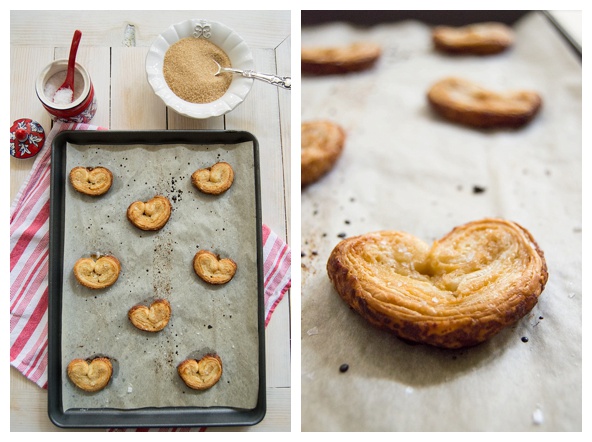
{"x": 478, "y": 189}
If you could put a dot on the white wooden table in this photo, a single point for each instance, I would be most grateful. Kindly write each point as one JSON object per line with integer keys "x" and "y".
{"x": 126, "y": 101}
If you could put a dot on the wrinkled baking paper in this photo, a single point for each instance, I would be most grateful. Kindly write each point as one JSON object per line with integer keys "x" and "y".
{"x": 403, "y": 168}
{"x": 205, "y": 318}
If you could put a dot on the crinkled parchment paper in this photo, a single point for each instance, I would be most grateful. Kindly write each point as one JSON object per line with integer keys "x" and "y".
{"x": 205, "y": 318}
{"x": 404, "y": 168}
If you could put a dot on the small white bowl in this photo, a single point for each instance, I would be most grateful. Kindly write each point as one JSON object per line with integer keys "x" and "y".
{"x": 223, "y": 37}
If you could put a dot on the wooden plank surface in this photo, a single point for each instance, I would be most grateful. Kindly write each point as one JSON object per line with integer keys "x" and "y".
{"x": 125, "y": 101}
{"x": 261, "y": 29}
{"x": 133, "y": 103}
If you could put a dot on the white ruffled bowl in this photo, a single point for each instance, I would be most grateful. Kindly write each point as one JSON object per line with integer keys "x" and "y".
{"x": 223, "y": 37}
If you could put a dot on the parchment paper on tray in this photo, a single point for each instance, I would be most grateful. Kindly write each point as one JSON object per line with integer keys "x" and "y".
{"x": 205, "y": 318}
{"x": 404, "y": 168}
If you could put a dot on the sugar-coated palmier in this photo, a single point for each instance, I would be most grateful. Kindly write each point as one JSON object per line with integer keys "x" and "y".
{"x": 327, "y": 60}
{"x": 322, "y": 144}
{"x": 460, "y": 291}
{"x": 467, "y": 103}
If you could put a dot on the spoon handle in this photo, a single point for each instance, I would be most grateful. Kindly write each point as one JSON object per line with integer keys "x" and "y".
{"x": 72, "y": 58}
{"x": 285, "y": 82}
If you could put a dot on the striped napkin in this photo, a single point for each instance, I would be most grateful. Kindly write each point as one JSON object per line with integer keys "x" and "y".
{"x": 29, "y": 257}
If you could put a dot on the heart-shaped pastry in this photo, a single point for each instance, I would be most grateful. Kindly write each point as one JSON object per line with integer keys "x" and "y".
{"x": 150, "y": 215}
{"x": 97, "y": 273}
{"x": 214, "y": 180}
{"x": 462, "y": 101}
{"x": 321, "y": 146}
{"x": 458, "y": 292}
{"x": 479, "y": 39}
{"x": 201, "y": 374}
{"x": 330, "y": 60}
{"x": 153, "y": 318}
{"x": 212, "y": 269}
{"x": 92, "y": 181}
{"x": 91, "y": 376}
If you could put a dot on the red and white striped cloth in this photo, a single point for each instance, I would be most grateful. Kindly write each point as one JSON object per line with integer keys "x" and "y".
{"x": 29, "y": 257}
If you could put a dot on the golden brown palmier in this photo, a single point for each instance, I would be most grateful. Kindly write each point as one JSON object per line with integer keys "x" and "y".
{"x": 479, "y": 38}
{"x": 93, "y": 181}
{"x": 201, "y": 374}
{"x": 322, "y": 143}
{"x": 90, "y": 375}
{"x": 462, "y": 101}
{"x": 97, "y": 273}
{"x": 328, "y": 60}
{"x": 150, "y": 215}
{"x": 153, "y": 318}
{"x": 213, "y": 269}
{"x": 460, "y": 291}
{"x": 214, "y": 180}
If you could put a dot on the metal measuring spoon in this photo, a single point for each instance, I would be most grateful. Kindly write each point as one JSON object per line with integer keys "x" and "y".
{"x": 285, "y": 82}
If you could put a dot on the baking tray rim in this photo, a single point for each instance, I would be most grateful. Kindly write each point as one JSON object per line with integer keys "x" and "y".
{"x": 434, "y": 17}
{"x": 153, "y": 417}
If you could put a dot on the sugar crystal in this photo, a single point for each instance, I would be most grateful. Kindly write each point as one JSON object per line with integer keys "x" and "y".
{"x": 63, "y": 96}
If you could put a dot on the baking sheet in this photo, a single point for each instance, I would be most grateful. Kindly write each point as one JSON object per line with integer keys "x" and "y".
{"x": 225, "y": 319}
{"x": 404, "y": 168}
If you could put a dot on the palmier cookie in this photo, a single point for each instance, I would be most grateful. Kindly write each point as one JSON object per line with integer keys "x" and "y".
{"x": 92, "y": 181}
{"x": 214, "y": 180}
{"x": 90, "y": 375}
{"x": 201, "y": 374}
{"x": 339, "y": 59}
{"x": 478, "y": 39}
{"x": 153, "y": 318}
{"x": 467, "y": 103}
{"x": 213, "y": 269}
{"x": 321, "y": 146}
{"x": 150, "y": 215}
{"x": 97, "y": 273}
{"x": 460, "y": 291}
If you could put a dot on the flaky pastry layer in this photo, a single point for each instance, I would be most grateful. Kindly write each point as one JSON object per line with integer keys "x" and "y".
{"x": 328, "y": 60}
{"x": 213, "y": 269}
{"x": 153, "y": 318}
{"x": 97, "y": 273}
{"x": 150, "y": 215}
{"x": 322, "y": 143}
{"x": 90, "y": 375}
{"x": 465, "y": 102}
{"x": 201, "y": 374}
{"x": 480, "y": 38}
{"x": 94, "y": 181}
{"x": 460, "y": 291}
{"x": 215, "y": 179}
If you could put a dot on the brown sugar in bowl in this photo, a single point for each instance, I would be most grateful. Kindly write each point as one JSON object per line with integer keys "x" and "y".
{"x": 189, "y": 70}
{"x": 219, "y": 35}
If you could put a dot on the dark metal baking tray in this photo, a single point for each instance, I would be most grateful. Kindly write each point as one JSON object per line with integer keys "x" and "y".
{"x": 155, "y": 417}
{"x": 432, "y": 17}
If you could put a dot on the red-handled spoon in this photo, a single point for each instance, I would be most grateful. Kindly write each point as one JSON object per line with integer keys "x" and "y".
{"x": 69, "y": 81}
